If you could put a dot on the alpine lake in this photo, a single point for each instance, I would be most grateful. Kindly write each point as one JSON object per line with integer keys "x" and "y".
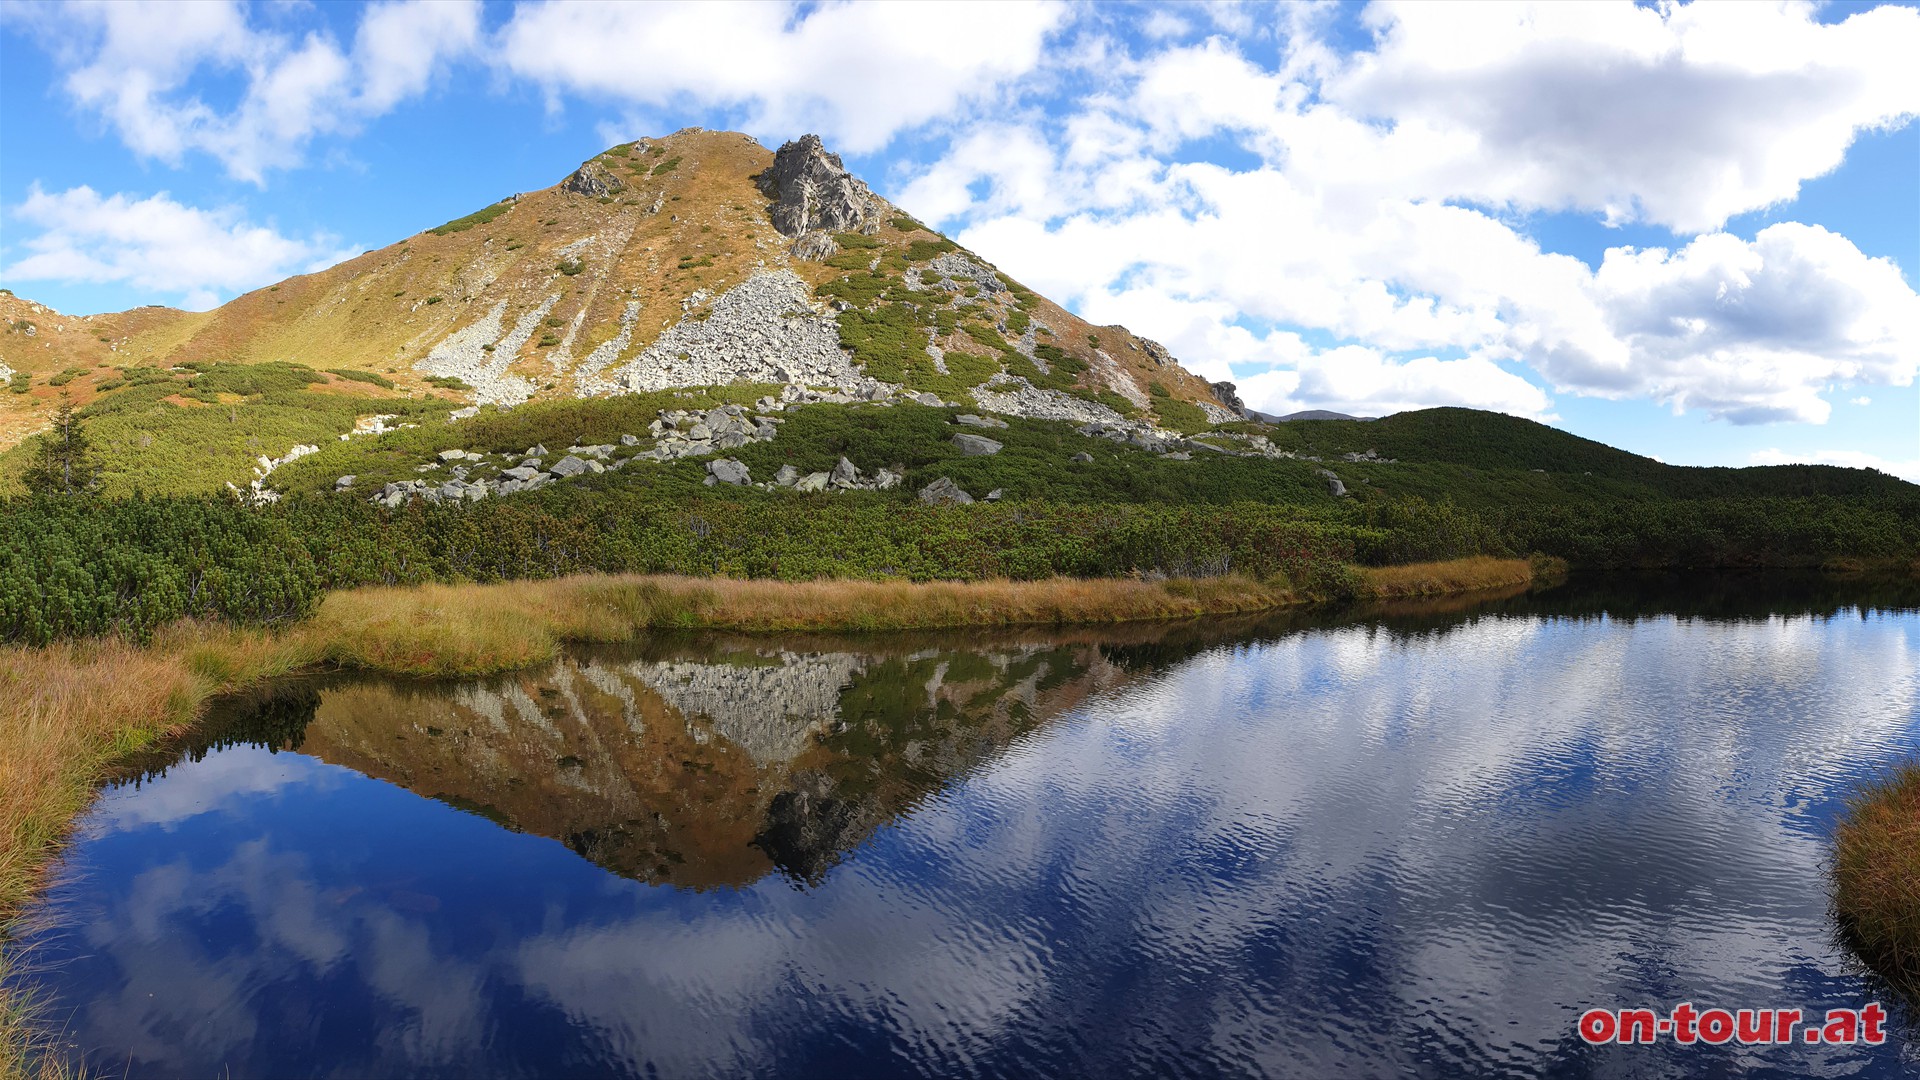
{"x": 1394, "y": 841}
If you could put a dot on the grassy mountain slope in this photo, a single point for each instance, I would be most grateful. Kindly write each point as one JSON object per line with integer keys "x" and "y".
{"x": 681, "y": 221}
{"x": 643, "y": 239}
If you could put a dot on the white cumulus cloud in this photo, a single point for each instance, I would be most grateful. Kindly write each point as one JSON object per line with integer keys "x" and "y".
{"x": 1369, "y": 217}
{"x": 857, "y": 73}
{"x": 159, "y": 245}
{"x": 1679, "y": 114}
{"x": 132, "y": 62}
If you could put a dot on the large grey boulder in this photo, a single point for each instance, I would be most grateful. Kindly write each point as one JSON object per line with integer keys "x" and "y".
{"x": 1081, "y": 458}
{"x": 979, "y": 421}
{"x": 727, "y": 471}
{"x": 975, "y": 445}
{"x": 521, "y": 473}
{"x": 844, "y": 474}
{"x": 1334, "y": 487}
{"x": 944, "y": 492}
{"x": 786, "y": 476}
{"x": 570, "y": 466}
{"x": 812, "y": 190}
{"x": 811, "y": 482}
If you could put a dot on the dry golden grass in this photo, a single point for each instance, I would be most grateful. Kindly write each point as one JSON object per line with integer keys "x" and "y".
{"x": 1876, "y": 877}
{"x": 474, "y": 629}
{"x": 1444, "y": 578}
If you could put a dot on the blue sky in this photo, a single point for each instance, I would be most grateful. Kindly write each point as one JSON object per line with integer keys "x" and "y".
{"x": 1688, "y": 230}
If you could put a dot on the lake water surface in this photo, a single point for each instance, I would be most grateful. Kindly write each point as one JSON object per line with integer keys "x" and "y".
{"x": 1373, "y": 844}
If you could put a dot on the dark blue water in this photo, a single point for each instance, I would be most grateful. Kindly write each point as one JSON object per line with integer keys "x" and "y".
{"x": 1383, "y": 845}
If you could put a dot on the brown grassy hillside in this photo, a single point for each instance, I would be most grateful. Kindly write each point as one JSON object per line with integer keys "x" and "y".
{"x": 680, "y": 221}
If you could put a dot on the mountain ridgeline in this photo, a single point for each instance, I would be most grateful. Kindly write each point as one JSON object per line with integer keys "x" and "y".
{"x": 694, "y": 355}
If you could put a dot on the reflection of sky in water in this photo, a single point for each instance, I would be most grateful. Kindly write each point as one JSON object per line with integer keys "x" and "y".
{"x": 1339, "y": 851}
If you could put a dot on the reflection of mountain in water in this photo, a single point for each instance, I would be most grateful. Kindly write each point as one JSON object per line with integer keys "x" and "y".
{"x": 704, "y": 766}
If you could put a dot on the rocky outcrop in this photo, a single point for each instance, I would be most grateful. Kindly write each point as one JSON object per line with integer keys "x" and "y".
{"x": 1157, "y": 353}
{"x": 812, "y": 192}
{"x": 1226, "y": 394}
{"x": 593, "y": 180}
{"x": 764, "y": 329}
{"x": 953, "y": 266}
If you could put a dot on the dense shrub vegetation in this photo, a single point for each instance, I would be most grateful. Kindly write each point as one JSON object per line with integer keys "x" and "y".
{"x": 73, "y": 567}
{"x": 85, "y": 565}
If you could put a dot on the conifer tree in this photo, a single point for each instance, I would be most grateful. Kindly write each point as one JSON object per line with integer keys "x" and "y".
{"x": 63, "y": 464}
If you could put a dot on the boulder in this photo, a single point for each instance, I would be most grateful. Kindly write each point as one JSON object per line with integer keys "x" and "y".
{"x": 944, "y": 492}
{"x": 979, "y": 421}
{"x": 975, "y": 445}
{"x": 996, "y": 494}
{"x": 844, "y": 474}
{"x": 343, "y": 483}
{"x": 1334, "y": 487}
{"x": 811, "y": 482}
{"x": 629, "y": 440}
{"x": 786, "y": 476}
{"x": 886, "y": 480}
{"x": 727, "y": 471}
{"x": 453, "y": 455}
{"x": 522, "y": 473}
{"x": 570, "y": 466}
{"x": 1081, "y": 458}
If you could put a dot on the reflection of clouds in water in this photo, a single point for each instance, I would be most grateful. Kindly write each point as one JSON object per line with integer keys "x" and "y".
{"x": 182, "y": 1000}
{"x": 221, "y": 782}
{"x": 1333, "y": 848}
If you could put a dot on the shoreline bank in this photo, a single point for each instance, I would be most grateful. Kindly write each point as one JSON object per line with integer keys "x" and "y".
{"x": 69, "y": 710}
{"x": 1875, "y": 876}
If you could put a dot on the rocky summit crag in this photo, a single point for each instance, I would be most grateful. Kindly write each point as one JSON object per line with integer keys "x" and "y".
{"x": 698, "y": 259}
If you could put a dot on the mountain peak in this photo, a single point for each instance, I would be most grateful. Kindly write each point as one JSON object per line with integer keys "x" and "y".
{"x": 692, "y": 259}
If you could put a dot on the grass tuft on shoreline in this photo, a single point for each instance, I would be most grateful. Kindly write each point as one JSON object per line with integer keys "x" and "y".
{"x": 1455, "y": 576}
{"x": 1876, "y": 877}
